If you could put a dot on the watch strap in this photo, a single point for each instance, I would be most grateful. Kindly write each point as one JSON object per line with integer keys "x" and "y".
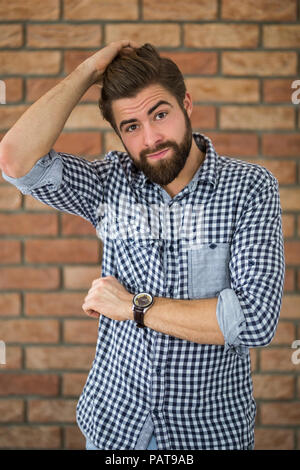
{"x": 138, "y": 315}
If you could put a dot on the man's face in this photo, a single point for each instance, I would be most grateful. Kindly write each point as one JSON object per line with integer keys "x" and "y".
{"x": 155, "y": 131}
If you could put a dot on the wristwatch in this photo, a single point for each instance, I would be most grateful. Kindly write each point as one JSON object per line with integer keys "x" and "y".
{"x": 141, "y": 303}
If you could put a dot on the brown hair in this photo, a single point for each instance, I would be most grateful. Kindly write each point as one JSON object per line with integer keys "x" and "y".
{"x": 133, "y": 70}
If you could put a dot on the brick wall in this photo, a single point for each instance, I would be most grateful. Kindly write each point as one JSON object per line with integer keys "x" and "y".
{"x": 239, "y": 60}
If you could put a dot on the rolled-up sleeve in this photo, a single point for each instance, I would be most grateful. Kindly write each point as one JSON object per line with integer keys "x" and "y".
{"x": 248, "y": 312}
{"x": 46, "y": 172}
{"x": 66, "y": 182}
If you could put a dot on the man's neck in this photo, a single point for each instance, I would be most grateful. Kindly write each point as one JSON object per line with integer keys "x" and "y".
{"x": 194, "y": 161}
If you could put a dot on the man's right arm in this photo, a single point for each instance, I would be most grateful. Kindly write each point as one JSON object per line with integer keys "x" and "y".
{"x": 36, "y": 131}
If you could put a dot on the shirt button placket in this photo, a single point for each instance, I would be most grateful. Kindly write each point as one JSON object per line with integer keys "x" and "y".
{"x": 158, "y": 381}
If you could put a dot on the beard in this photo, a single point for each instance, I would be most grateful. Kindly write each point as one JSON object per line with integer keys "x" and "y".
{"x": 164, "y": 171}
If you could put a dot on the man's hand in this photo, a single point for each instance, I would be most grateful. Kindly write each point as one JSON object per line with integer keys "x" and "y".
{"x": 98, "y": 62}
{"x": 108, "y": 297}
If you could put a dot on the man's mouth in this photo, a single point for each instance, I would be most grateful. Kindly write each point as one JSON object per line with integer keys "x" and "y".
{"x": 158, "y": 155}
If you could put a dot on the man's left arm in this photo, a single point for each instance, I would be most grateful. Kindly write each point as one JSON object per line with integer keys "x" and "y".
{"x": 193, "y": 320}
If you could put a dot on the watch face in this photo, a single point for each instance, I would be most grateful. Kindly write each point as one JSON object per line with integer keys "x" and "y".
{"x": 143, "y": 300}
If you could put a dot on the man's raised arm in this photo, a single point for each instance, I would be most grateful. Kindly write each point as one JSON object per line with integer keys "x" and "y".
{"x": 36, "y": 131}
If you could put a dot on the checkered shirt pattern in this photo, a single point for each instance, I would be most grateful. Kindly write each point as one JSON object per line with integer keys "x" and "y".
{"x": 199, "y": 396}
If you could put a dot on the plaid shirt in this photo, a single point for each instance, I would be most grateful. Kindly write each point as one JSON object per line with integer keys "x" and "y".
{"x": 219, "y": 237}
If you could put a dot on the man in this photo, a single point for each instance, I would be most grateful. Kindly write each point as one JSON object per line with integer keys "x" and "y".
{"x": 193, "y": 265}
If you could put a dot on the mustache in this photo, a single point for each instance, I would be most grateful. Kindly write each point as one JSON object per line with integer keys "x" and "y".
{"x": 159, "y": 147}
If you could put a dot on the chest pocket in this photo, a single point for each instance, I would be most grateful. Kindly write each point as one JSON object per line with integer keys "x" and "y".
{"x": 208, "y": 269}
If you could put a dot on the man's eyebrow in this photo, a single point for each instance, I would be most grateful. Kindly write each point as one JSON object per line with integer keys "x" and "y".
{"x": 150, "y": 111}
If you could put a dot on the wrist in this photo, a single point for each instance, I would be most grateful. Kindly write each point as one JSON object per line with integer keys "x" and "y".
{"x": 88, "y": 72}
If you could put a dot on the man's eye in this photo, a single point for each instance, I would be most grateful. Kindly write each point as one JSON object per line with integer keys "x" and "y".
{"x": 131, "y": 128}
{"x": 161, "y": 115}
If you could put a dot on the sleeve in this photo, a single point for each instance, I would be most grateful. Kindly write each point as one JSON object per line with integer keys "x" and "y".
{"x": 248, "y": 312}
{"x": 65, "y": 182}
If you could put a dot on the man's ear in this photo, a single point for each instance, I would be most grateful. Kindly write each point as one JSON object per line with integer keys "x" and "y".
{"x": 188, "y": 103}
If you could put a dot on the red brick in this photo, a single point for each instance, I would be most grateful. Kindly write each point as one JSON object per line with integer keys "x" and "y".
{"x": 62, "y": 251}
{"x": 80, "y": 277}
{"x": 86, "y": 116}
{"x": 257, "y": 117}
{"x": 274, "y": 439}
{"x": 10, "y": 251}
{"x": 63, "y": 35}
{"x": 260, "y": 10}
{"x": 284, "y": 171}
{"x": 11, "y": 35}
{"x": 54, "y": 304}
{"x": 29, "y": 10}
{"x": 292, "y": 252}
{"x": 74, "y": 225}
{"x": 280, "y": 413}
{"x": 30, "y": 331}
{"x": 235, "y": 144}
{"x": 223, "y": 90}
{"x": 74, "y": 438}
{"x": 290, "y": 306}
{"x": 11, "y": 411}
{"x": 179, "y": 10}
{"x": 218, "y": 35}
{"x": 72, "y": 58}
{"x": 10, "y": 304}
{"x": 275, "y": 387}
{"x": 285, "y": 333}
{"x": 277, "y": 359}
{"x": 85, "y": 144}
{"x": 277, "y": 90}
{"x": 204, "y": 117}
{"x": 14, "y": 90}
{"x": 200, "y": 63}
{"x": 60, "y": 357}
{"x": 289, "y": 280}
{"x": 29, "y": 384}
{"x": 10, "y": 198}
{"x": 259, "y": 63}
{"x": 30, "y": 62}
{"x": 288, "y": 225}
{"x": 30, "y": 437}
{"x": 36, "y": 87}
{"x": 32, "y": 204}
{"x": 73, "y": 383}
{"x": 13, "y": 358}
{"x": 281, "y": 36}
{"x": 290, "y": 198}
{"x": 29, "y": 278}
{"x": 47, "y": 411}
{"x": 146, "y": 32}
{"x": 28, "y": 224}
{"x": 80, "y": 331}
{"x": 101, "y": 10}
{"x": 281, "y": 145}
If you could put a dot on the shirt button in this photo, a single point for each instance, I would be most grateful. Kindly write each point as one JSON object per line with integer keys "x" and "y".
{"x": 171, "y": 291}
{"x": 171, "y": 249}
{"x": 158, "y": 370}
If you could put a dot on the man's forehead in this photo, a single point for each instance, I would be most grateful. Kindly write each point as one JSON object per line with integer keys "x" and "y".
{"x": 142, "y": 102}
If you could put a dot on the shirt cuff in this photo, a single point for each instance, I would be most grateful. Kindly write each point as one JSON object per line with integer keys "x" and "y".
{"x": 231, "y": 321}
{"x": 47, "y": 171}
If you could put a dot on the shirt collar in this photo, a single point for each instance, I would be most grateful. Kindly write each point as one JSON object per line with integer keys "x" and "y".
{"x": 207, "y": 171}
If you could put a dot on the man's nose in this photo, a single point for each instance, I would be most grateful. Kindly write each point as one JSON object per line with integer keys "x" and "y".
{"x": 151, "y": 137}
